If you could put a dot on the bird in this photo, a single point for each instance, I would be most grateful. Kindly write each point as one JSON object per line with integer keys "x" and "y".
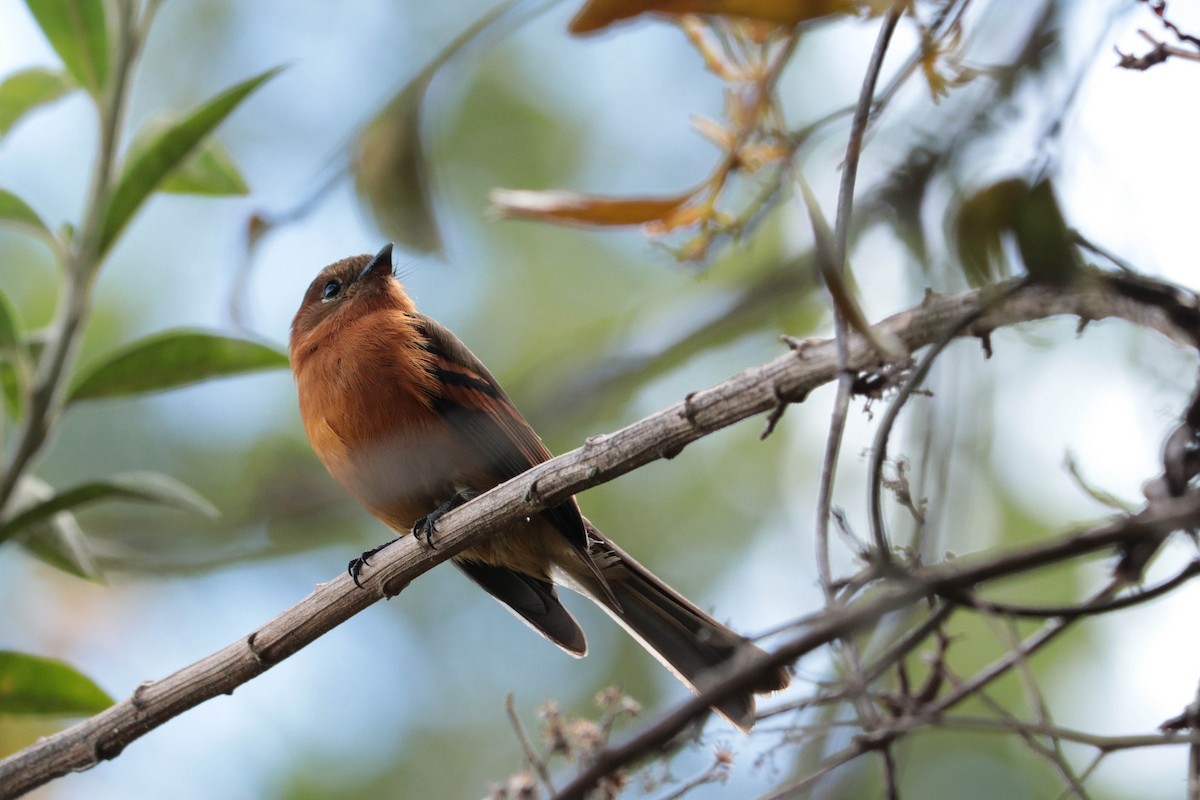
{"x": 412, "y": 424}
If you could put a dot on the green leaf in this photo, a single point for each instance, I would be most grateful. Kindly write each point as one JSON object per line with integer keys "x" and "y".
{"x": 61, "y": 543}
{"x": 14, "y": 360}
{"x": 57, "y": 539}
{"x": 1044, "y": 240}
{"x": 209, "y": 171}
{"x": 145, "y": 170}
{"x": 10, "y": 387}
{"x": 172, "y": 359}
{"x": 10, "y": 325}
{"x": 35, "y": 685}
{"x": 835, "y": 277}
{"x": 24, "y": 91}
{"x": 981, "y": 222}
{"x": 145, "y": 487}
{"x": 78, "y": 32}
{"x": 16, "y": 211}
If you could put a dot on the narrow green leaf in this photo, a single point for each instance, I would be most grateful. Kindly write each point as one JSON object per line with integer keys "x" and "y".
{"x": 980, "y": 223}
{"x": 172, "y": 359}
{"x": 61, "y": 543}
{"x": 36, "y": 685}
{"x": 145, "y": 487}
{"x": 16, "y": 211}
{"x": 24, "y": 91}
{"x": 836, "y": 281}
{"x": 10, "y": 325}
{"x": 145, "y": 171}
{"x": 10, "y": 387}
{"x": 57, "y": 539}
{"x": 208, "y": 171}
{"x": 14, "y": 361}
{"x": 78, "y": 32}
{"x": 1044, "y": 239}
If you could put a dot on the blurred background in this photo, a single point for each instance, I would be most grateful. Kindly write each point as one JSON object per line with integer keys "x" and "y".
{"x": 589, "y": 331}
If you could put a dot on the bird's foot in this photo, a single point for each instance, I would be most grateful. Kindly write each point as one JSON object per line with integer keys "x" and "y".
{"x": 426, "y": 526}
{"x": 356, "y": 565}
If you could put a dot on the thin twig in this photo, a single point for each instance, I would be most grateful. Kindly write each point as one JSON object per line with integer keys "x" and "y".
{"x": 968, "y": 600}
{"x": 1193, "y": 771}
{"x": 841, "y": 235}
{"x": 891, "y": 781}
{"x": 829, "y": 764}
{"x": 884, "y": 431}
{"x": 1032, "y": 644}
{"x": 536, "y": 762}
{"x": 716, "y": 772}
{"x": 835, "y": 275}
{"x": 1104, "y": 744}
{"x": 1053, "y": 753}
{"x": 949, "y": 15}
{"x": 901, "y": 727}
{"x": 840, "y": 622}
{"x": 1087, "y": 244}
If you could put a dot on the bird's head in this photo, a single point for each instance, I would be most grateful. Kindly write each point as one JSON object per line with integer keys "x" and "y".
{"x": 347, "y": 289}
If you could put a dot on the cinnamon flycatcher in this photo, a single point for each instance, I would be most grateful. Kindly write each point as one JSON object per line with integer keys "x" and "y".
{"x": 411, "y": 424}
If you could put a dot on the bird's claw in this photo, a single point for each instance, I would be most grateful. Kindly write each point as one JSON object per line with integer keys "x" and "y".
{"x": 425, "y": 528}
{"x": 355, "y": 567}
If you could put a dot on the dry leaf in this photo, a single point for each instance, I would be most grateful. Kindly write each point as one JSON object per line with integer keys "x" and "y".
{"x": 715, "y": 132}
{"x": 757, "y": 156}
{"x": 584, "y": 209}
{"x": 599, "y": 14}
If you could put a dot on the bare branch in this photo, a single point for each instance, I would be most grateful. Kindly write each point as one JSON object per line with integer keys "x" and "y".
{"x": 1168, "y": 514}
{"x": 661, "y": 435}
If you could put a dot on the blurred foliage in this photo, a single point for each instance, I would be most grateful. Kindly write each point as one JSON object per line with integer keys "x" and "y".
{"x": 587, "y": 330}
{"x": 79, "y": 32}
{"x": 169, "y": 360}
{"x": 391, "y": 170}
{"x": 43, "y": 686}
{"x": 23, "y": 91}
{"x": 95, "y": 43}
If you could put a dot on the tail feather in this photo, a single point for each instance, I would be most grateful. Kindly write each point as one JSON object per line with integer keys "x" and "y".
{"x": 691, "y": 644}
{"x": 534, "y": 601}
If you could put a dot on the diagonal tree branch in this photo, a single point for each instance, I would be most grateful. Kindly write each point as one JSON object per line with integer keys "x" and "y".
{"x": 949, "y": 577}
{"x": 1145, "y": 303}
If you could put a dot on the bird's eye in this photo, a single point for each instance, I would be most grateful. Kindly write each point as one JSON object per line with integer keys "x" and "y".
{"x": 331, "y": 290}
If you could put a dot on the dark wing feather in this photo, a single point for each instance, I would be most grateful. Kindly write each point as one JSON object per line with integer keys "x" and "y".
{"x": 475, "y": 406}
{"x": 533, "y": 600}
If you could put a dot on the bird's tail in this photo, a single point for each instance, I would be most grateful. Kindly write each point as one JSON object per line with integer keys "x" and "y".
{"x": 692, "y": 645}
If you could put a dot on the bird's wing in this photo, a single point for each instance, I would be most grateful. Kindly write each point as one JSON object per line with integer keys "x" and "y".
{"x": 534, "y": 601}
{"x": 476, "y": 408}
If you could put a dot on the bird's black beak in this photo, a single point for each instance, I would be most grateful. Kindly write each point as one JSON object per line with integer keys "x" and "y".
{"x": 381, "y": 263}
